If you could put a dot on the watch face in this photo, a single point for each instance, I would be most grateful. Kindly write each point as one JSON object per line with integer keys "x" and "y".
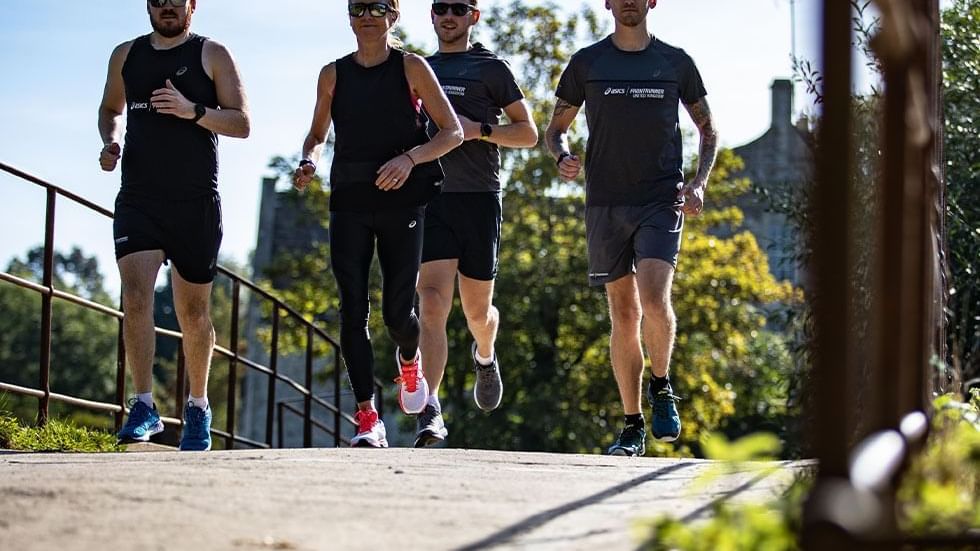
{"x": 485, "y": 130}
{"x": 200, "y": 110}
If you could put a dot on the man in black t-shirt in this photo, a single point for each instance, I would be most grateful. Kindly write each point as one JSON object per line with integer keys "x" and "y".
{"x": 631, "y": 85}
{"x": 179, "y": 91}
{"x": 462, "y": 224}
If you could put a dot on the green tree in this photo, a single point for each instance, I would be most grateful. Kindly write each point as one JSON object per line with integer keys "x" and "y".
{"x": 83, "y": 342}
{"x": 961, "y": 101}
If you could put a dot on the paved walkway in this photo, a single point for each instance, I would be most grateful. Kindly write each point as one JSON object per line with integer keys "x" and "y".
{"x": 427, "y": 499}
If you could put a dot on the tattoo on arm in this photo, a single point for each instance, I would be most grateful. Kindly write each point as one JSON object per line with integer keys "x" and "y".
{"x": 701, "y": 115}
{"x": 557, "y": 139}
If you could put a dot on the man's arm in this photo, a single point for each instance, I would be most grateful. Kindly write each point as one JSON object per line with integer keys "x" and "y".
{"x": 317, "y": 136}
{"x": 556, "y": 137}
{"x": 693, "y": 192}
{"x": 519, "y": 132}
{"x": 231, "y": 118}
{"x": 424, "y": 85}
{"x": 112, "y": 107}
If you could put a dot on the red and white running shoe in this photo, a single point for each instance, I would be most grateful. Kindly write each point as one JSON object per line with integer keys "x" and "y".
{"x": 370, "y": 431}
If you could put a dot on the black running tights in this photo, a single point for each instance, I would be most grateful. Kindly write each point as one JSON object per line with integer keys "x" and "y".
{"x": 398, "y": 234}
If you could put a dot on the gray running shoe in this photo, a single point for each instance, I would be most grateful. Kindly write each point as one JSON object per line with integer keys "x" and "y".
{"x": 489, "y": 389}
{"x": 430, "y": 428}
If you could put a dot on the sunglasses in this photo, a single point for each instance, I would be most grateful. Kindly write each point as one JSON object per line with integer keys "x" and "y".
{"x": 376, "y": 9}
{"x": 162, "y": 3}
{"x": 459, "y": 10}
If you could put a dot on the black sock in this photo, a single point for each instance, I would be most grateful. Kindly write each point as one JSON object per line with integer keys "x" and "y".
{"x": 635, "y": 420}
{"x": 657, "y": 384}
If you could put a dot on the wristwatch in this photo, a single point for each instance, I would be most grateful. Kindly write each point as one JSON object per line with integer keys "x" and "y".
{"x": 199, "y": 111}
{"x": 485, "y": 130}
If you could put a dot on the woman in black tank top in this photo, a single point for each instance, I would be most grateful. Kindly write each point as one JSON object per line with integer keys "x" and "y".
{"x": 384, "y": 170}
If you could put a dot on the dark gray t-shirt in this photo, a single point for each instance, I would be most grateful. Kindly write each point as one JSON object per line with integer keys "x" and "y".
{"x": 633, "y": 156}
{"x": 479, "y": 85}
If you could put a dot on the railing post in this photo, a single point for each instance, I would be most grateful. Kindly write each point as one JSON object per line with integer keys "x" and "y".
{"x": 336, "y": 396}
{"x": 273, "y": 379}
{"x": 120, "y": 373}
{"x": 47, "y": 278}
{"x": 279, "y": 421}
{"x": 308, "y": 398}
{"x": 236, "y": 289}
{"x": 831, "y": 265}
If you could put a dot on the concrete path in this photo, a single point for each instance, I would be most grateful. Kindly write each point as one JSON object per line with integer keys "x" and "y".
{"x": 354, "y": 499}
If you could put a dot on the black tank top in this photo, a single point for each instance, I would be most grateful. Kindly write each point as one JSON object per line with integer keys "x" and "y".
{"x": 375, "y": 119}
{"x": 167, "y": 157}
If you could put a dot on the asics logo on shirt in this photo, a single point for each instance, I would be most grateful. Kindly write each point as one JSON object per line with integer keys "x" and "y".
{"x": 181, "y": 71}
{"x": 412, "y": 224}
{"x": 139, "y": 105}
{"x": 636, "y": 93}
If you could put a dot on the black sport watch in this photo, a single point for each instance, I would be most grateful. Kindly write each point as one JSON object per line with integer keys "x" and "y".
{"x": 485, "y": 130}
{"x": 199, "y": 111}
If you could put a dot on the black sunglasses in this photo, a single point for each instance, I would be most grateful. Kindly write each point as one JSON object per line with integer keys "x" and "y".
{"x": 162, "y": 3}
{"x": 376, "y": 9}
{"x": 459, "y": 10}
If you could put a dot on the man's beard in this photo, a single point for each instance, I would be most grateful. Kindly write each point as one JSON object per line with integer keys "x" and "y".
{"x": 631, "y": 20}
{"x": 170, "y": 28}
{"x": 452, "y": 36}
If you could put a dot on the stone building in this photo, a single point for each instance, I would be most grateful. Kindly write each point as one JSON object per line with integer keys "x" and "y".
{"x": 777, "y": 161}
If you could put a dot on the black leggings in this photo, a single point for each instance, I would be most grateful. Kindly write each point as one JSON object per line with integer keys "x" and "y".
{"x": 352, "y": 238}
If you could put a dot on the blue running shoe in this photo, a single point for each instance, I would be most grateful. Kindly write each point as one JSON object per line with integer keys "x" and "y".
{"x": 142, "y": 423}
{"x": 665, "y": 425}
{"x": 196, "y": 436}
{"x": 631, "y": 442}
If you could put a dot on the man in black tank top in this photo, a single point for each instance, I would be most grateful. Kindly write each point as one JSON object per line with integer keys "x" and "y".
{"x": 384, "y": 171}
{"x": 462, "y": 224}
{"x": 631, "y": 85}
{"x": 179, "y": 91}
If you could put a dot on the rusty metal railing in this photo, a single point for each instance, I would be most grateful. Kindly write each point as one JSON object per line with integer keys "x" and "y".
{"x": 853, "y": 503}
{"x": 279, "y": 310}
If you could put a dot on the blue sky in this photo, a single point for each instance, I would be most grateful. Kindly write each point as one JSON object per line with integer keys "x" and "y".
{"x": 53, "y": 56}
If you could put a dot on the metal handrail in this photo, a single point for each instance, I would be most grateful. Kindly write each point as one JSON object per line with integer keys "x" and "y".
{"x": 279, "y": 308}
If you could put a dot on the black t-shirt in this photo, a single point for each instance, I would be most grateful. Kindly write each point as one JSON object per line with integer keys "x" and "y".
{"x": 633, "y": 156}
{"x": 479, "y": 85}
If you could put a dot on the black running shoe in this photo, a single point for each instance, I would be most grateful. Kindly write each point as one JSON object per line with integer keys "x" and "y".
{"x": 489, "y": 388}
{"x": 632, "y": 441}
{"x": 430, "y": 428}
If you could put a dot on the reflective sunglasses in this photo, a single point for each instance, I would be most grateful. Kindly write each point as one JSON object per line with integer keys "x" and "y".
{"x": 459, "y": 10}
{"x": 162, "y": 3}
{"x": 376, "y": 9}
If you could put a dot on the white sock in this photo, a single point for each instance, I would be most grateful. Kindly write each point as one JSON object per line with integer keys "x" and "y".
{"x": 201, "y": 402}
{"x": 433, "y": 401}
{"x": 480, "y": 359}
{"x": 146, "y": 398}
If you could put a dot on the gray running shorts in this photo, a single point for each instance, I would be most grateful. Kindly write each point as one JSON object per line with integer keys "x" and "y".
{"x": 621, "y": 235}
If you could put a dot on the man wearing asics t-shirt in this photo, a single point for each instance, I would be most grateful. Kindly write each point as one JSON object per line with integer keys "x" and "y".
{"x": 179, "y": 91}
{"x": 631, "y": 84}
{"x": 462, "y": 224}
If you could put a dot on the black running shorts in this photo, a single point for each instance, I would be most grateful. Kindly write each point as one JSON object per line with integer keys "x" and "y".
{"x": 620, "y": 236}
{"x": 188, "y": 232}
{"x": 465, "y": 226}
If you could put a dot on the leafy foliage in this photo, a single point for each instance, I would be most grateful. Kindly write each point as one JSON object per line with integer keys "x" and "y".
{"x": 961, "y": 101}
{"x": 55, "y": 436}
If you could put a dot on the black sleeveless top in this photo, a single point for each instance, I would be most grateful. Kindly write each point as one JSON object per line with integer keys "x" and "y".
{"x": 167, "y": 157}
{"x": 376, "y": 119}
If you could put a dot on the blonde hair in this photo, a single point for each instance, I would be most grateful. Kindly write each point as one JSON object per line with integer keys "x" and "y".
{"x": 393, "y": 40}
